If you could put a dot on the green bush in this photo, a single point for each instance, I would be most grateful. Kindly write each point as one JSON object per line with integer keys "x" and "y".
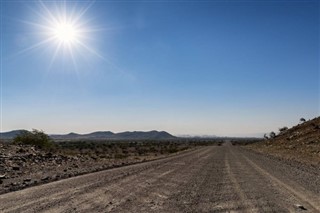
{"x": 36, "y": 137}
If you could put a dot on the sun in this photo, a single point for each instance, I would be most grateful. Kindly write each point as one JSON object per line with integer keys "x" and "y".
{"x": 65, "y": 30}
{"x": 65, "y": 27}
{"x": 65, "y": 33}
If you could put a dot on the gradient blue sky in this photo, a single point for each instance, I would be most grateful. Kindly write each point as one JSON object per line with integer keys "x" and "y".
{"x": 224, "y": 68}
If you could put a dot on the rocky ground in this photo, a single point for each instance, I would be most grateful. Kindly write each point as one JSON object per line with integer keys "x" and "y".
{"x": 22, "y": 166}
{"x": 209, "y": 179}
{"x": 300, "y": 143}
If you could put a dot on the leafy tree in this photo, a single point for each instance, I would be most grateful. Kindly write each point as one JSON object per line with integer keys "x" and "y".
{"x": 35, "y": 137}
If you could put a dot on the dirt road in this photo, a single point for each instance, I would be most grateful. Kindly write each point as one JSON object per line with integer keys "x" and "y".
{"x": 210, "y": 179}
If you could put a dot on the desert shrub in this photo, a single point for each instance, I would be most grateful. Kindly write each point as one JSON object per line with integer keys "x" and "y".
{"x": 283, "y": 129}
{"x": 120, "y": 155}
{"x": 35, "y": 137}
{"x": 272, "y": 135}
{"x": 302, "y": 120}
{"x": 172, "y": 149}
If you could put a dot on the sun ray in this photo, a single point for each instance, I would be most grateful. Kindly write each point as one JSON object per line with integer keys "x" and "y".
{"x": 90, "y": 49}
{"x": 39, "y": 44}
{"x": 48, "y": 12}
{"x": 74, "y": 62}
{"x": 103, "y": 58}
{"x": 82, "y": 12}
{"x": 65, "y": 26}
{"x": 54, "y": 55}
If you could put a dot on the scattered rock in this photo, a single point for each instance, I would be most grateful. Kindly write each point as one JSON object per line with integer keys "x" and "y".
{"x": 21, "y": 150}
{"x": 23, "y": 166}
{"x": 49, "y": 155}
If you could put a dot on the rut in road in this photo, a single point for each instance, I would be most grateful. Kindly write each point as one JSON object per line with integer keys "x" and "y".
{"x": 209, "y": 179}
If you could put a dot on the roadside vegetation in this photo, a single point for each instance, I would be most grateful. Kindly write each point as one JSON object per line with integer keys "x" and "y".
{"x": 301, "y": 142}
{"x": 36, "y": 137}
{"x": 116, "y": 149}
{"x": 32, "y": 158}
{"x": 109, "y": 148}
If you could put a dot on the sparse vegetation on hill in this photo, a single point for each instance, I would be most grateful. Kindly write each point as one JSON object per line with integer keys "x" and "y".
{"x": 301, "y": 142}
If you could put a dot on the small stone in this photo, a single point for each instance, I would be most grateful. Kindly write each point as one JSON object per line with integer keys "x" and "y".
{"x": 27, "y": 180}
{"x": 16, "y": 168}
{"x": 14, "y": 184}
{"x": 45, "y": 178}
{"x": 300, "y": 207}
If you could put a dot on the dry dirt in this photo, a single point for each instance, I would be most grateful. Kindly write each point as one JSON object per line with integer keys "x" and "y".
{"x": 209, "y": 179}
{"x": 300, "y": 143}
{"x": 22, "y": 166}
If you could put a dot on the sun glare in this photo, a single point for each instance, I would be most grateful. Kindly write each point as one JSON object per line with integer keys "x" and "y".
{"x": 65, "y": 33}
{"x": 65, "y": 29}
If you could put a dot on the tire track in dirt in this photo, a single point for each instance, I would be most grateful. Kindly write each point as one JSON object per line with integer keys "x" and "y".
{"x": 77, "y": 192}
{"x": 209, "y": 179}
{"x": 255, "y": 186}
{"x": 208, "y": 191}
{"x": 148, "y": 182}
{"x": 295, "y": 192}
{"x": 281, "y": 193}
{"x": 244, "y": 199}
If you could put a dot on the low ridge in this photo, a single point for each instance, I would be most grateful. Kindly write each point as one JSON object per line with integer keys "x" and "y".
{"x": 301, "y": 142}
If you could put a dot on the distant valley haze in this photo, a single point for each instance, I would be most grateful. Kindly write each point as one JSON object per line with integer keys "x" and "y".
{"x": 215, "y": 68}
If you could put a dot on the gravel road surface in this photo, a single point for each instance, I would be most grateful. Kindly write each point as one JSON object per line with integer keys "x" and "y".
{"x": 210, "y": 179}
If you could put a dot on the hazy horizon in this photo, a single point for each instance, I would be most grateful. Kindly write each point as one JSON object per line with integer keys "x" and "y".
{"x": 189, "y": 68}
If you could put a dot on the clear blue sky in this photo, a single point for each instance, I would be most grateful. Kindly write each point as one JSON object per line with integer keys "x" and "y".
{"x": 223, "y": 68}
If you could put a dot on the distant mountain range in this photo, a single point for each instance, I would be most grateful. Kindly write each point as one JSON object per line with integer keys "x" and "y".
{"x": 136, "y": 135}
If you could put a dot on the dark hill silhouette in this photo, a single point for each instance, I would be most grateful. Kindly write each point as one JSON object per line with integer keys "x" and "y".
{"x": 11, "y": 134}
{"x": 99, "y": 135}
{"x": 137, "y": 135}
